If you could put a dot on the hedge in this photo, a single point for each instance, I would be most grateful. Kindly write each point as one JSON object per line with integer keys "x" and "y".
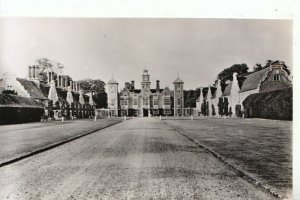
{"x": 15, "y": 115}
{"x": 15, "y": 109}
{"x": 276, "y": 104}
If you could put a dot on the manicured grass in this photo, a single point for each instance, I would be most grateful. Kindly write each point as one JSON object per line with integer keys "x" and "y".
{"x": 261, "y": 148}
{"x": 21, "y": 139}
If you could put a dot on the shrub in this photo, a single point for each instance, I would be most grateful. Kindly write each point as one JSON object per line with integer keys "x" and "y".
{"x": 220, "y": 106}
{"x": 238, "y": 110}
{"x": 276, "y": 104}
{"x": 15, "y": 115}
{"x": 230, "y": 112}
{"x": 213, "y": 110}
{"x": 225, "y": 106}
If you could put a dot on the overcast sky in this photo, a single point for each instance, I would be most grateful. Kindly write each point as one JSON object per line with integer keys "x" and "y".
{"x": 99, "y": 48}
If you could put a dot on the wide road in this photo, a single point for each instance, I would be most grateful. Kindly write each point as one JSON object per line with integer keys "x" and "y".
{"x": 141, "y": 158}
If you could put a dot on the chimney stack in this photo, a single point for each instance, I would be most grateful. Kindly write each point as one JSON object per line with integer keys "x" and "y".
{"x": 37, "y": 71}
{"x": 66, "y": 82}
{"x": 29, "y": 71}
{"x": 132, "y": 85}
{"x": 157, "y": 85}
{"x": 127, "y": 85}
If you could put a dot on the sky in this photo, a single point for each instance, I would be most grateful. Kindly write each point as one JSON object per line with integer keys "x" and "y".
{"x": 102, "y": 48}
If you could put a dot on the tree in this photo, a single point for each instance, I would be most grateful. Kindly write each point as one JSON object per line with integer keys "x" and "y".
{"x": 190, "y": 98}
{"x": 220, "y": 106}
{"x": 96, "y": 86}
{"x": 238, "y": 110}
{"x": 57, "y": 106}
{"x": 257, "y": 67}
{"x": 45, "y": 65}
{"x": 230, "y": 112}
{"x": 213, "y": 110}
{"x": 207, "y": 108}
{"x": 88, "y": 85}
{"x": 225, "y": 106}
{"x": 100, "y": 99}
{"x": 227, "y": 73}
{"x": 203, "y": 108}
{"x": 268, "y": 63}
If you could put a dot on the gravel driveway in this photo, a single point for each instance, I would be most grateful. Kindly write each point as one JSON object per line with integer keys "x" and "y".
{"x": 141, "y": 158}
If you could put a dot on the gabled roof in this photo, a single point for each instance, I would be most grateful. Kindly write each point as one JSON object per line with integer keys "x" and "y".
{"x": 75, "y": 97}
{"x": 213, "y": 91}
{"x": 204, "y": 93}
{"x": 62, "y": 94}
{"x": 154, "y": 90}
{"x": 146, "y": 91}
{"x": 137, "y": 91}
{"x": 86, "y": 98}
{"x": 252, "y": 80}
{"x": 32, "y": 88}
{"x": 125, "y": 90}
{"x": 166, "y": 90}
{"x": 227, "y": 90}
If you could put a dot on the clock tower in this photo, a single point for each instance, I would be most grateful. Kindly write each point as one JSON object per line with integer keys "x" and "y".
{"x": 178, "y": 97}
{"x": 145, "y": 79}
{"x": 112, "y": 97}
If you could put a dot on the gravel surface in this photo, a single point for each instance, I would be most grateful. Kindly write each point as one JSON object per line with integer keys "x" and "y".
{"x": 22, "y": 139}
{"x": 141, "y": 158}
{"x": 260, "y": 148}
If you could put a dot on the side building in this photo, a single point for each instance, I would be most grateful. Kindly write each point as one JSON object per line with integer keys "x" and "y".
{"x": 232, "y": 96}
{"x": 60, "y": 96}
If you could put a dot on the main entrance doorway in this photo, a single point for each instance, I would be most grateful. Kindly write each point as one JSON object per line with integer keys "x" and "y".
{"x": 145, "y": 112}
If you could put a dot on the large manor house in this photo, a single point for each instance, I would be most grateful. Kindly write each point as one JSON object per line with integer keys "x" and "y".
{"x": 145, "y": 101}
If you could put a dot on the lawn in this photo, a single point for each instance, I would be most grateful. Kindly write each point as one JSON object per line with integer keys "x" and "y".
{"x": 261, "y": 148}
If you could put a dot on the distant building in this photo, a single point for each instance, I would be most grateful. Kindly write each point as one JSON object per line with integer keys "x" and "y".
{"x": 268, "y": 79}
{"x": 145, "y": 101}
{"x": 178, "y": 97}
{"x": 112, "y": 97}
{"x": 63, "y": 93}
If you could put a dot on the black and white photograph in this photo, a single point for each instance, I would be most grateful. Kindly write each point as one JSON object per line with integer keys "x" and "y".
{"x": 146, "y": 108}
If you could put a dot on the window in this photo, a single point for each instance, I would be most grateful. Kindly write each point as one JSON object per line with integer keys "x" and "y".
{"x": 145, "y": 101}
{"x": 155, "y": 101}
{"x": 135, "y": 102}
{"x": 276, "y": 77}
{"x": 112, "y": 103}
{"x": 123, "y": 102}
{"x": 145, "y": 78}
{"x": 167, "y": 101}
{"x": 179, "y": 101}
